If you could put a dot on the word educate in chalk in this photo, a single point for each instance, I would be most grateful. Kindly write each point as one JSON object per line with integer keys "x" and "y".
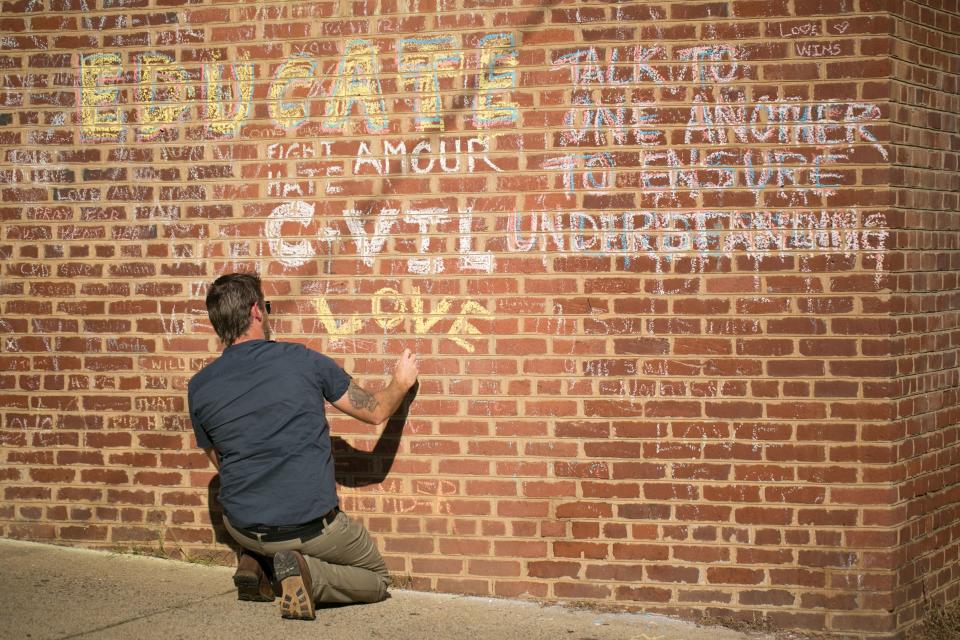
{"x": 164, "y": 90}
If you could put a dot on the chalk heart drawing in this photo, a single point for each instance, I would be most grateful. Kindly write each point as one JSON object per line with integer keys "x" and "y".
{"x": 842, "y": 27}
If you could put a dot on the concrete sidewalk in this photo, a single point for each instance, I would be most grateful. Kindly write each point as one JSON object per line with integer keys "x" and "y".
{"x": 52, "y": 592}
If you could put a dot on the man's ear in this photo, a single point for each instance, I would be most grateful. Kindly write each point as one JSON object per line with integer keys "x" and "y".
{"x": 256, "y": 313}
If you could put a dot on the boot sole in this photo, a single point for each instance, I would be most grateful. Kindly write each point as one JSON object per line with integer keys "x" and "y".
{"x": 295, "y": 602}
{"x": 248, "y": 587}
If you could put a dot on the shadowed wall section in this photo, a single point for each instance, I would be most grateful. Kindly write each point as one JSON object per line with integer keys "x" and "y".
{"x": 925, "y": 103}
{"x": 682, "y": 277}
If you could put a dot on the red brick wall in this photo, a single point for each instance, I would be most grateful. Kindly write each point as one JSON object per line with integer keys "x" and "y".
{"x": 925, "y": 110}
{"x": 682, "y": 277}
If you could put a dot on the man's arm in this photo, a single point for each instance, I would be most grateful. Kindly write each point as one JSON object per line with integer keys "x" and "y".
{"x": 374, "y": 408}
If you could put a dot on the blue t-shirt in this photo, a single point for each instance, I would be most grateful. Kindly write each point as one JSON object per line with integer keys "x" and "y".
{"x": 261, "y": 406}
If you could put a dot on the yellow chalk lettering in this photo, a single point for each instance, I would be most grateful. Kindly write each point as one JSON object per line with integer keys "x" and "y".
{"x": 330, "y": 323}
{"x": 422, "y": 323}
{"x": 239, "y": 94}
{"x": 358, "y": 81}
{"x": 498, "y": 76}
{"x": 422, "y": 62}
{"x": 462, "y": 326}
{"x": 100, "y": 114}
{"x": 386, "y": 321}
{"x": 296, "y": 70}
{"x": 163, "y": 90}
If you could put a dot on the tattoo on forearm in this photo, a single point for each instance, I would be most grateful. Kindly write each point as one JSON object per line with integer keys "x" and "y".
{"x": 361, "y": 399}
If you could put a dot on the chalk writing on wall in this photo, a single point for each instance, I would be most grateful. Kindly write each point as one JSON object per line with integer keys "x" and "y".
{"x": 227, "y": 108}
{"x": 369, "y": 241}
{"x": 498, "y": 62}
{"x": 788, "y": 150}
{"x": 423, "y": 62}
{"x": 99, "y": 103}
{"x": 391, "y": 309}
{"x": 164, "y": 90}
{"x": 665, "y": 235}
{"x": 295, "y": 71}
{"x": 424, "y": 156}
{"x": 357, "y": 83}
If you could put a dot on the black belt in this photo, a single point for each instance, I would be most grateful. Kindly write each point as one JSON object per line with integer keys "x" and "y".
{"x": 282, "y": 533}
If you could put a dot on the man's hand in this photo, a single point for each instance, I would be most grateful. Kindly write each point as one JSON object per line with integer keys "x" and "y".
{"x": 407, "y": 369}
{"x": 376, "y": 408}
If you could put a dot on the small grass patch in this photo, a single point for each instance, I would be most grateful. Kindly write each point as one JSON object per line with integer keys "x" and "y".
{"x": 938, "y": 623}
{"x": 756, "y": 624}
{"x": 167, "y": 550}
{"x": 401, "y": 581}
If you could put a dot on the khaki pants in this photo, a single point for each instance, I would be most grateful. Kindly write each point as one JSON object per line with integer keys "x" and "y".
{"x": 345, "y": 566}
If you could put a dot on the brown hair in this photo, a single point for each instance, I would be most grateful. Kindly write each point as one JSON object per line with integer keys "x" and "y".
{"x": 228, "y": 304}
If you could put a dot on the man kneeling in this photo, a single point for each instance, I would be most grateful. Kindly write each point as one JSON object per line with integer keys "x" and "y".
{"x": 258, "y": 412}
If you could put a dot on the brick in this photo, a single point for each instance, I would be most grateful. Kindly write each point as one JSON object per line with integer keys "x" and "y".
{"x": 85, "y": 533}
{"x": 734, "y": 575}
{"x": 52, "y": 475}
{"x": 580, "y": 590}
{"x": 181, "y": 498}
{"x": 120, "y": 496}
{"x": 79, "y": 494}
{"x": 520, "y": 549}
{"x": 583, "y": 510}
{"x": 640, "y": 552}
{"x": 156, "y": 479}
{"x": 133, "y": 534}
{"x": 614, "y": 572}
{"x": 437, "y": 566}
{"x": 103, "y": 440}
{"x": 553, "y": 569}
{"x": 771, "y": 597}
{"x": 104, "y": 476}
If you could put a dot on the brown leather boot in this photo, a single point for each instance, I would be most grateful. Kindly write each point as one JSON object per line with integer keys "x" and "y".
{"x": 296, "y": 601}
{"x": 253, "y": 583}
